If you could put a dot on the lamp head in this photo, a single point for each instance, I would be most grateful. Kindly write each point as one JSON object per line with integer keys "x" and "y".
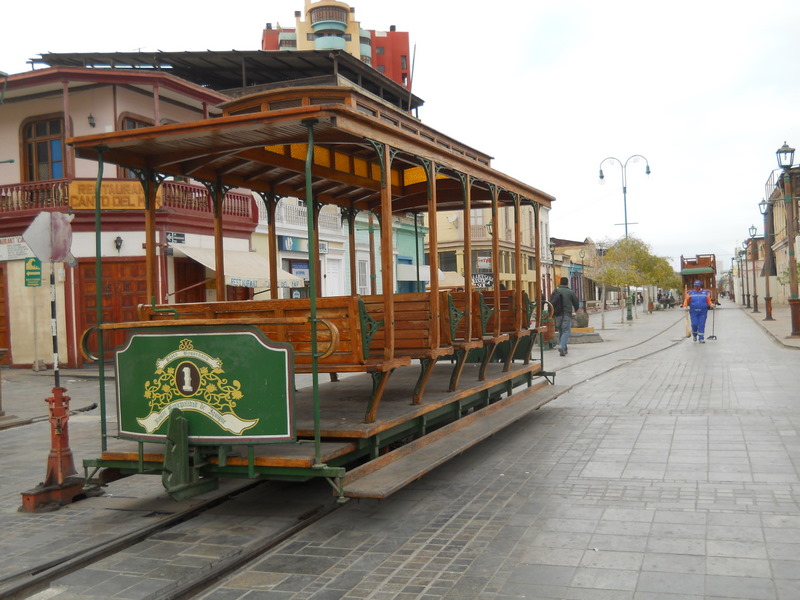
{"x": 752, "y": 231}
{"x": 763, "y": 206}
{"x": 785, "y": 156}
{"x": 91, "y": 120}
{"x": 118, "y": 243}
{"x": 602, "y": 177}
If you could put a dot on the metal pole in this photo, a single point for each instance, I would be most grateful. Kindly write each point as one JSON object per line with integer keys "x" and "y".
{"x": 624, "y": 168}
{"x": 755, "y": 282}
{"x": 746, "y": 274}
{"x": 741, "y": 277}
{"x": 54, "y": 324}
{"x": 583, "y": 286}
{"x": 794, "y": 301}
{"x": 312, "y": 283}
{"x": 767, "y": 268}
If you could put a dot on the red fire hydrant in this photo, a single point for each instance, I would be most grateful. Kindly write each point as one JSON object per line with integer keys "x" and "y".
{"x": 59, "y": 487}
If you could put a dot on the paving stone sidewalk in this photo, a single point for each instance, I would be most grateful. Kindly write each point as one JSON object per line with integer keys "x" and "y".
{"x": 668, "y": 471}
{"x": 674, "y": 476}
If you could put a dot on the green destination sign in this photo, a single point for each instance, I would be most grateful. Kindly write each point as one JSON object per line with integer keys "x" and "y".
{"x": 33, "y": 272}
{"x": 231, "y": 384}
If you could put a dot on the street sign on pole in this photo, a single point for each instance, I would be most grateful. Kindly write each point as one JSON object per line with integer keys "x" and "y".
{"x": 50, "y": 237}
{"x": 33, "y": 272}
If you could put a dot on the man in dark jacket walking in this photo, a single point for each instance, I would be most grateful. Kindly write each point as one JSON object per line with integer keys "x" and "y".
{"x": 564, "y": 301}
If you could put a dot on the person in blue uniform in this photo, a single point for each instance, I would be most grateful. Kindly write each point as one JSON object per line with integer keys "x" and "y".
{"x": 697, "y": 302}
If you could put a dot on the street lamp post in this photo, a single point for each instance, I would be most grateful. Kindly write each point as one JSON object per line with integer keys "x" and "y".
{"x": 733, "y": 291}
{"x": 746, "y": 274}
{"x": 764, "y": 208}
{"x": 582, "y": 254}
{"x": 752, "y": 231}
{"x": 624, "y": 167}
{"x": 742, "y": 278}
{"x": 785, "y": 156}
{"x": 552, "y": 281}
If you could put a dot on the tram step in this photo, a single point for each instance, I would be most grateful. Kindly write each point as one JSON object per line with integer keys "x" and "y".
{"x": 389, "y": 473}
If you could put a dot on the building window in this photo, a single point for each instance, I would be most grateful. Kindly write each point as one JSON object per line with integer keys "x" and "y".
{"x": 447, "y": 261}
{"x": 379, "y": 50}
{"x": 44, "y": 149}
{"x": 476, "y": 217}
{"x": 129, "y": 123}
{"x": 381, "y": 69}
{"x": 363, "y": 277}
{"x": 404, "y": 62}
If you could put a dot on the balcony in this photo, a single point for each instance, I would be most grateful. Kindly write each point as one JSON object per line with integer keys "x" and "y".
{"x": 328, "y": 18}
{"x": 479, "y": 233}
{"x": 19, "y": 199}
{"x": 292, "y": 215}
{"x": 35, "y": 196}
{"x": 187, "y": 197}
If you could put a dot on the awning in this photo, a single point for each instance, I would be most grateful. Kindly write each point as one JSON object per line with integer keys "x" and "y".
{"x": 450, "y": 279}
{"x": 409, "y": 272}
{"x": 244, "y": 269}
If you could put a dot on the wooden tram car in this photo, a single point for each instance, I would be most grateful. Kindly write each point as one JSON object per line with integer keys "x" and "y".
{"x": 206, "y": 390}
{"x": 703, "y": 268}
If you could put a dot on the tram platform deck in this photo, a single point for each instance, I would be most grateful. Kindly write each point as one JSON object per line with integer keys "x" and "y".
{"x": 406, "y": 441}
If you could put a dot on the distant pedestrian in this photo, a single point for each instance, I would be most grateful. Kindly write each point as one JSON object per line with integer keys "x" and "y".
{"x": 564, "y": 301}
{"x": 697, "y": 302}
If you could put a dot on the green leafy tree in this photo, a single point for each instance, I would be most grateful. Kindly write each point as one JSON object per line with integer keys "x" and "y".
{"x": 630, "y": 262}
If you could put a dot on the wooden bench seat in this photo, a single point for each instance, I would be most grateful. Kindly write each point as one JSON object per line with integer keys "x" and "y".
{"x": 509, "y": 320}
{"x": 289, "y": 321}
{"x": 417, "y": 333}
{"x": 463, "y": 334}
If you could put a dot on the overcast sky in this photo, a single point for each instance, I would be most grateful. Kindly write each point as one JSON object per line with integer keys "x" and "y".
{"x": 706, "y": 90}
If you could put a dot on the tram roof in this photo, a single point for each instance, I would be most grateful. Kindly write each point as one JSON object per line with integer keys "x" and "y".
{"x": 260, "y": 143}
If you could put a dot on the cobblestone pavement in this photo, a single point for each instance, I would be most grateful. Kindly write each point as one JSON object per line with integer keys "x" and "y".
{"x": 670, "y": 470}
{"x": 673, "y": 476}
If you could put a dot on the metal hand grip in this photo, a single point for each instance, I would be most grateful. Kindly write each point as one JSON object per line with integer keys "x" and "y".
{"x": 82, "y": 345}
{"x": 334, "y": 345}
